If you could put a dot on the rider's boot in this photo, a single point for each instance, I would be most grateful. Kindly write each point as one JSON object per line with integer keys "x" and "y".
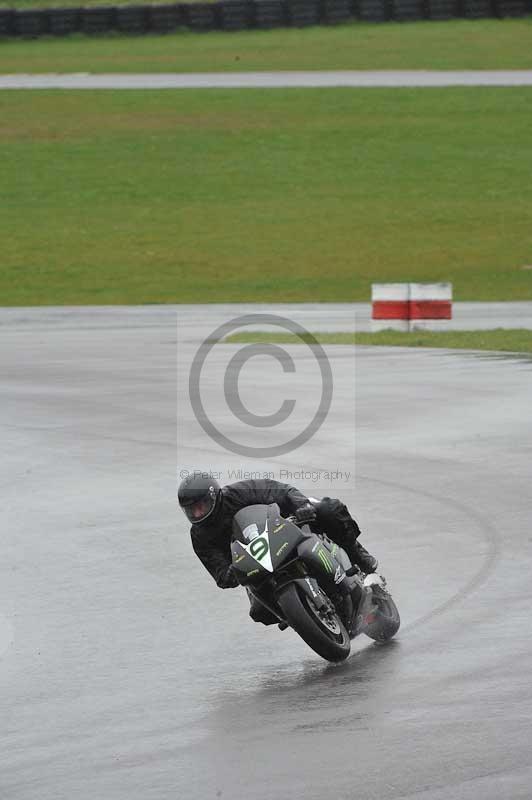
{"x": 361, "y": 558}
{"x": 375, "y": 581}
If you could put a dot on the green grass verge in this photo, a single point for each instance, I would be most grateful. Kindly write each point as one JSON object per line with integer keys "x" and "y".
{"x": 514, "y": 341}
{"x": 277, "y": 195}
{"x": 458, "y": 44}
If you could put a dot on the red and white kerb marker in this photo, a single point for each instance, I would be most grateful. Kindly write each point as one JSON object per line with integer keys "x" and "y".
{"x": 411, "y": 306}
{"x": 389, "y": 306}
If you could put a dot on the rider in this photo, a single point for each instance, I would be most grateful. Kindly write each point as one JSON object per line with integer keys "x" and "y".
{"x": 211, "y": 508}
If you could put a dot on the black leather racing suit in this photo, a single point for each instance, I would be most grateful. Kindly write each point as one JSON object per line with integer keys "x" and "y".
{"x": 211, "y": 539}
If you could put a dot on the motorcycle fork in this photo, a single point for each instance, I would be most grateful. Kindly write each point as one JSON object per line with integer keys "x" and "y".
{"x": 311, "y": 588}
{"x": 331, "y": 570}
{"x": 266, "y": 602}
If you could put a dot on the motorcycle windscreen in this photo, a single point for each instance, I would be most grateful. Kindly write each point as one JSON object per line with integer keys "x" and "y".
{"x": 252, "y": 521}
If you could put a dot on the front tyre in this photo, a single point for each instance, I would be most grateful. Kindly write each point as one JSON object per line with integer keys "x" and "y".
{"x": 323, "y": 631}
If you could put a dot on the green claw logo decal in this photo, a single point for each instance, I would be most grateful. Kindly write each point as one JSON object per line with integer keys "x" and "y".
{"x": 323, "y": 556}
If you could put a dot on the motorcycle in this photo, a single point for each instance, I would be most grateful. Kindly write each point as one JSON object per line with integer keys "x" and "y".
{"x": 307, "y": 582}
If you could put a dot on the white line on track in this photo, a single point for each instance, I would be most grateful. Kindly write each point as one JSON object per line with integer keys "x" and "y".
{"x": 271, "y": 80}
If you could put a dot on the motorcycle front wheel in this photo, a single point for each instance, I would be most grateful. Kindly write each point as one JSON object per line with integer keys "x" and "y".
{"x": 323, "y": 630}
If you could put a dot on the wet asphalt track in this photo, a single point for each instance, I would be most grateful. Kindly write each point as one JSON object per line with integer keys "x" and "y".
{"x": 271, "y": 80}
{"x": 126, "y": 675}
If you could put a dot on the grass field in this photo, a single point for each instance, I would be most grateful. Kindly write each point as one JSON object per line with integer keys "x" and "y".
{"x": 458, "y": 44}
{"x": 295, "y": 195}
{"x": 514, "y": 341}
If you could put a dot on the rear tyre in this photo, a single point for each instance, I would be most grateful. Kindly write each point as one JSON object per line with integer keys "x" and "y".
{"x": 387, "y": 619}
{"x": 323, "y": 631}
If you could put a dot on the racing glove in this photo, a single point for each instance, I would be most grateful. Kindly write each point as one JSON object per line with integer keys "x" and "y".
{"x": 230, "y": 581}
{"x": 305, "y": 514}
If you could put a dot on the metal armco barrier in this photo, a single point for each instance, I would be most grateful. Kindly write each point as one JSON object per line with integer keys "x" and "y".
{"x": 131, "y": 19}
{"x": 63, "y": 21}
{"x": 6, "y": 22}
{"x": 302, "y": 13}
{"x": 237, "y": 15}
{"x": 98, "y": 19}
{"x": 202, "y": 16}
{"x": 30, "y": 24}
{"x": 270, "y": 14}
{"x": 411, "y": 306}
{"x": 164, "y": 19}
{"x": 336, "y": 11}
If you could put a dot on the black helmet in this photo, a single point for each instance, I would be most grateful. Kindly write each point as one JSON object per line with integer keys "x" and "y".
{"x": 199, "y": 495}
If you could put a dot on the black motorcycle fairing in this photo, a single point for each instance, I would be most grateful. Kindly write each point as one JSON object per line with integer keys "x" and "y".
{"x": 337, "y": 551}
{"x": 262, "y": 542}
{"x": 323, "y": 562}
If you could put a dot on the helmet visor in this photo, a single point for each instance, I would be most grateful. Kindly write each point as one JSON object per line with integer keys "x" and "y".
{"x": 197, "y": 512}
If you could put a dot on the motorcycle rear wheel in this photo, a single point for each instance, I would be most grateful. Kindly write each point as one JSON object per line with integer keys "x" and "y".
{"x": 387, "y": 619}
{"x": 325, "y": 633}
